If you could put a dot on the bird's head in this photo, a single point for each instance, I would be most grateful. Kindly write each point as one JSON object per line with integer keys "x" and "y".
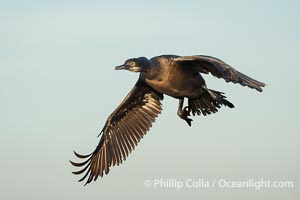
{"x": 135, "y": 64}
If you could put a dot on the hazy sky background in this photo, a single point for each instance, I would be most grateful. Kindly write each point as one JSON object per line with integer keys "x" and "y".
{"x": 58, "y": 86}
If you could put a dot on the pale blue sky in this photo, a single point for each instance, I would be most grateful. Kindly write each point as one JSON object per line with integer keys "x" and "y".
{"x": 58, "y": 85}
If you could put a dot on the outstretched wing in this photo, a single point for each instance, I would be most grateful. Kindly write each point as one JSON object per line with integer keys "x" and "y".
{"x": 218, "y": 68}
{"x": 124, "y": 128}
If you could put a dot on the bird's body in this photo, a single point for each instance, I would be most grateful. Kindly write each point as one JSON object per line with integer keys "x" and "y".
{"x": 175, "y": 76}
{"x": 173, "y": 79}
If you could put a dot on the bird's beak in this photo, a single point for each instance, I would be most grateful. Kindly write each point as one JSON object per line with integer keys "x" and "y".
{"x": 121, "y": 67}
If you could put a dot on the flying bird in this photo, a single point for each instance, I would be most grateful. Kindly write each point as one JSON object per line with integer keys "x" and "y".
{"x": 176, "y": 76}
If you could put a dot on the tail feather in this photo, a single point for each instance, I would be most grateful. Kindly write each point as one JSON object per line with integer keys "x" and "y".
{"x": 208, "y": 104}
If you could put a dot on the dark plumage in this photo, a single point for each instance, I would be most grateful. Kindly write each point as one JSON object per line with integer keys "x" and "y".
{"x": 176, "y": 76}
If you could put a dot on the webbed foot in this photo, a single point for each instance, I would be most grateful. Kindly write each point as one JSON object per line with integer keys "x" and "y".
{"x": 184, "y": 113}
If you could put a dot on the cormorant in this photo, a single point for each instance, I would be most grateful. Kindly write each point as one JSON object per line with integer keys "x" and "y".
{"x": 176, "y": 76}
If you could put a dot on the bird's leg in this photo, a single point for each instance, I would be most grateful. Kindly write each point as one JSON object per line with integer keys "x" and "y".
{"x": 210, "y": 93}
{"x": 184, "y": 113}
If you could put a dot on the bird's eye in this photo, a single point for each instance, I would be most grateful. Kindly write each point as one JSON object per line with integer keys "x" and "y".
{"x": 132, "y": 63}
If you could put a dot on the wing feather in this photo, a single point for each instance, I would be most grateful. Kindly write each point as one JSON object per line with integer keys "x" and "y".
{"x": 124, "y": 128}
{"x": 218, "y": 68}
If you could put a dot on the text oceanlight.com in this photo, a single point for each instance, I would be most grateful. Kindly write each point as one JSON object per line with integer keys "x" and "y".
{"x": 217, "y": 183}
